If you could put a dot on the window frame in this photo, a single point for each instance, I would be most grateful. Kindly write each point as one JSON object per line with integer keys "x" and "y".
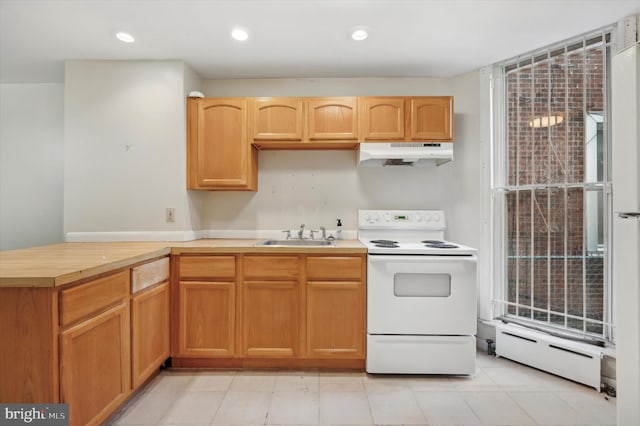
{"x": 499, "y": 185}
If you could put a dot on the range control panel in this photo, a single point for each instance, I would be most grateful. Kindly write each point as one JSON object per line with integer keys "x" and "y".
{"x": 401, "y": 219}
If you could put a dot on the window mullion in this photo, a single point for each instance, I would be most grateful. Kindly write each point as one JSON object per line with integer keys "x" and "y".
{"x": 550, "y": 82}
{"x": 532, "y": 195}
{"x": 566, "y": 199}
{"x": 607, "y": 307}
{"x": 584, "y": 194}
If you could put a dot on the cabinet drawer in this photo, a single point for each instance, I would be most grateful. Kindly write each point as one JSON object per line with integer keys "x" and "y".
{"x": 271, "y": 267}
{"x": 148, "y": 274}
{"x": 201, "y": 267}
{"x": 85, "y": 299}
{"x": 334, "y": 267}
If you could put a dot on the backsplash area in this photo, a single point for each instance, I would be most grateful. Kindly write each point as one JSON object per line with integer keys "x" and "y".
{"x": 317, "y": 187}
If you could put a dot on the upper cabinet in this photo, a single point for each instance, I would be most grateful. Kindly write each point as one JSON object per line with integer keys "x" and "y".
{"x": 332, "y": 119}
{"x": 304, "y": 123}
{"x": 423, "y": 118}
{"x": 382, "y": 119}
{"x": 219, "y": 153}
{"x": 431, "y": 118}
{"x": 277, "y": 119}
{"x": 224, "y": 134}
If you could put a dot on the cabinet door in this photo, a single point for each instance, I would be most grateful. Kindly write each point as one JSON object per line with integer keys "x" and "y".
{"x": 150, "y": 331}
{"x": 431, "y": 118}
{"x": 335, "y": 319}
{"x": 332, "y": 119}
{"x": 277, "y": 119}
{"x": 219, "y": 154}
{"x": 382, "y": 119}
{"x": 270, "y": 319}
{"x": 207, "y": 319}
{"x": 95, "y": 365}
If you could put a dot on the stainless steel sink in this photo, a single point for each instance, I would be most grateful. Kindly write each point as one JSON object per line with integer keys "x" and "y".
{"x": 295, "y": 243}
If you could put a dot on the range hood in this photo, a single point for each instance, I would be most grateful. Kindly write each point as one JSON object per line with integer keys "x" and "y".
{"x": 404, "y": 154}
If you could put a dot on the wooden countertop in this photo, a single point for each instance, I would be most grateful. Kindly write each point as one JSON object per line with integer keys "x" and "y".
{"x": 59, "y": 264}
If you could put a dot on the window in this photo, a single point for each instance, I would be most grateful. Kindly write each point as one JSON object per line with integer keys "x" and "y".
{"x": 552, "y": 188}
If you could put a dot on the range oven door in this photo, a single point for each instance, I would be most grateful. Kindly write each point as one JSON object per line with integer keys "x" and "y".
{"x": 421, "y": 295}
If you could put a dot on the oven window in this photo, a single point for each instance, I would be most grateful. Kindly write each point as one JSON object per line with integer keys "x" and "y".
{"x": 422, "y": 285}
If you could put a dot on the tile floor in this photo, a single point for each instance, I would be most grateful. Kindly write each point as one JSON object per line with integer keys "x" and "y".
{"x": 501, "y": 393}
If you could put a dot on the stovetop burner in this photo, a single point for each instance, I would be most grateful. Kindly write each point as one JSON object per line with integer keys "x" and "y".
{"x": 439, "y": 244}
{"x": 385, "y": 243}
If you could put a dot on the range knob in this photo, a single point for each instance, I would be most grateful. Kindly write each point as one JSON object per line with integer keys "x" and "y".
{"x": 428, "y": 217}
{"x": 371, "y": 217}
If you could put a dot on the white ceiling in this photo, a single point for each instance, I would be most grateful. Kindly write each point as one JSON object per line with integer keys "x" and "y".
{"x": 291, "y": 38}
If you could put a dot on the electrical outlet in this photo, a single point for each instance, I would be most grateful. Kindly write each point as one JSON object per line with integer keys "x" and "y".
{"x": 170, "y": 214}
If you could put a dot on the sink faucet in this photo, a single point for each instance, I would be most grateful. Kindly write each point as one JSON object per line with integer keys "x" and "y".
{"x": 324, "y": 232}
{"x": 300, "y": 231}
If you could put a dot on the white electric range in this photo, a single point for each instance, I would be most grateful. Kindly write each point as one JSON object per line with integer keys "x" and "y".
{"x": 421, "y": 294}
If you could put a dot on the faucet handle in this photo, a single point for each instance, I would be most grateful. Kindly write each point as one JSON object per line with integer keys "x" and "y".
{"x": 312, "y": 232}
{"x": 288, "y": 234}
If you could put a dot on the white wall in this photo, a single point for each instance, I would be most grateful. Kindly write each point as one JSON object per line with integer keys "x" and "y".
{"x": 329, "y": 87}
{"x": 460, "y": 185}
{"x": 31, "y": 164}
{"x": 125, "y": 157}
{"x": 316, "y": 187}
{"x": 125, "y": 147}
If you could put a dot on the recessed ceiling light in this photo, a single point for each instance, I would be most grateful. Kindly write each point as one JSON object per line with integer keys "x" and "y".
{"x": 239, "y": 34}
{"x": 125, "y": 37}
{"x": 359, "y": 34}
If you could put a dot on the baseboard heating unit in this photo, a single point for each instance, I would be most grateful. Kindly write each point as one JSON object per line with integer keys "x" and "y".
{"x": 572, "y": 360}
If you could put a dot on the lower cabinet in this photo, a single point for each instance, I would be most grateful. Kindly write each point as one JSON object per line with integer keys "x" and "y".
{"x": 150, "y": 331}
{"x": 95, "y": 365}
{"x": 335, "y": 319}
{"x": 207, "y": 319}
{"x": 205, "y": 306}
{"x": 270, "y": 304}
{"x": 336, "y": 298}
{"x": 90, "y": 344}
{"x": 270, "y": 310}
{"x": 114, "y": 334}
{"x": 270, "y": 319}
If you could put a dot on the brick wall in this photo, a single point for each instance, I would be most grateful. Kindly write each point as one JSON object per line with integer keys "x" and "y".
{"x": 546, "y": 223}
